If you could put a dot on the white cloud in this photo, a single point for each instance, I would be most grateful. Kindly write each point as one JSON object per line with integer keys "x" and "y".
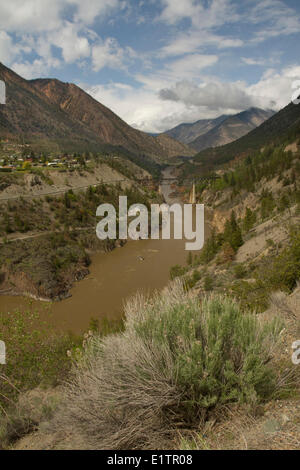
{"x": 194, "y": 40}
{"x": 37, "y": 68}
{"x": 216, "y": 96}
{"x": 216, "y": 13}
{"x": 44, "y": 24}
{"x": 141, "y": 108}
{"x": 250, "y": 61}
{"x": 271, "y": 18}
{"x": 161, "y": 103}
{"x": 30, "y": 15}
{"x": 262, "y": 61}
{"x": 274, "y": 90}
{"x": 110, "y": 54}
{"x": 145, "y": 110}
{"x": 277, "y": 17}
{"x": 204, "y": 21}
{"x": 88, "y": 10}
{"x": 174, "y": 11}
{"x": 8, "y": 50}
{"x": 73, "y": 45}
{"x": 190, "y": 65}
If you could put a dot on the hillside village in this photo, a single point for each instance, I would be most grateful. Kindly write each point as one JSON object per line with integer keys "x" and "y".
{"x": 16, "y": 157}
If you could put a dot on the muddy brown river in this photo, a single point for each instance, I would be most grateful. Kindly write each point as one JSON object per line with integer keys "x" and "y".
{"x": 115, "y": 276}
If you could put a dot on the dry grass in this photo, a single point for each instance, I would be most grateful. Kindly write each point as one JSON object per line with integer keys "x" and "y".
{"x": 276, "y": 426}
{"x": 22, "y": 418}
{"x": 109, "y": 404}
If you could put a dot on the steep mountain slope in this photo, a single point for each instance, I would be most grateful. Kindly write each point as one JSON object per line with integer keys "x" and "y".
{"x": 232, "y": 128}
{"x": 103, "y": 122}
{"x": 186, "y": 133}
{"x": 29, "y": 113}
{"x": 172, "y": 146}
{"x": 220, "y": 131}
{"x": 275, "y": 130}
{"x": 65, "y": 115}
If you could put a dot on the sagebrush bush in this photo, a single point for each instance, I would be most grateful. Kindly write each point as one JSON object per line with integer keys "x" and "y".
{"x": 177, "y": 359}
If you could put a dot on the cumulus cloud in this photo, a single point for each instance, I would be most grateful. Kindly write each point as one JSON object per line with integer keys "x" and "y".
{"x": 141, "y": 108}
{"x": 186, "y": 101}
{"x": 270, "y": 18}
{"x": 30, "y": 15}
{"x": 250, "y": 61}
{"x": 45, "y": 25}
{"x": 8, "y": 50}
{"x": 214, "y": 95}
{"x": 190, "y": 65}
{"x": 205, "y": 19}
{"x": 278, "y": 18}
{"x": 87, "y": 11}
{"x": 73, "y": 45}
{"x": 194, "y": 40}
{"x": 48, "y": 15}
{"x": 110, "y": 54}
{"x": 37, "y": 68}
{"x": 263, "y": 61}
{"x": 214, "y": 13}
{"x": 174, "y": 11}
{"x": 274, "y": 90}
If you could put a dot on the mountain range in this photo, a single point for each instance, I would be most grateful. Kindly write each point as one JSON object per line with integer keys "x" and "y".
{"x": 220, "y": 131}
{"x": 62, "y": 115}
{"x": 282, "y": 126}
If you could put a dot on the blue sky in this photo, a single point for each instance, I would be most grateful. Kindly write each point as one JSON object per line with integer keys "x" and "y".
{"x": 157, "y": 63}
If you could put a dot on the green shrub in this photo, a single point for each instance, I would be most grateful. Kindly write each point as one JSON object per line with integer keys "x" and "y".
{"x": 177, "y": 271}
{"x": 249, "y": 220}
{"x": 232, "y": 233}
{"x": 210, "y": 248}
{"x": 284, "y": 272}
{"x": 251, "y": 295}
{"x": 268, "y": 204}
{"x": 208, "y": 283}
{"x": 192, "y": 280}
{"x": 176, "y": 359}
{"x": 240, "y": 271}
{"x": 218, "y": 351}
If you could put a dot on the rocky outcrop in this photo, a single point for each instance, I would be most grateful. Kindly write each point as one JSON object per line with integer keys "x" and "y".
{"x": 45, "y": 289}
